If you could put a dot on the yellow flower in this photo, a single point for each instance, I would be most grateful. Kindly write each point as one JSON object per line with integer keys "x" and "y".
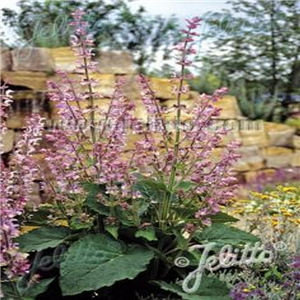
{"x": 62, "y": 222}
{"x": 295, "y": 221}
{"x": 289, "y": 189}
{"x": 239, "y": 211}
{"x": 274, "y": 222}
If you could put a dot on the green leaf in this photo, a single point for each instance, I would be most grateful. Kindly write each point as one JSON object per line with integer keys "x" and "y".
{"x": 151, "y": 190}
{"x": 222, "y": 218}
{"x": 38, "y": 288}
{"x": 142, "y": 206}
{"x": 43, "y": 238}
{"x": 147, "y": 233}
{"x": 97, "y": 261}
{"x": 222, "y": 235}
{"x": 77, "y": 224}
{"x": 92, "y": 201}
{"x": 210, "y": 289}
{"x": 113, "y": 230}
{"x": 8, "y": 291}
{"x": 39, "y": 217}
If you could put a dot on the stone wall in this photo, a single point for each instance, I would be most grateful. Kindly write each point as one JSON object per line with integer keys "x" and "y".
{"x": 266, "y": 147}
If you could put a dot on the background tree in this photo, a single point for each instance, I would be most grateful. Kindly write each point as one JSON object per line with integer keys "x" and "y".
{"x": 256, "y": 52}
{"x": 114, "y": 26}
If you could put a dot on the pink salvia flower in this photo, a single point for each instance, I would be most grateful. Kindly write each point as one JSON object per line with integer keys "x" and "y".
{"x": 16, "y": 188}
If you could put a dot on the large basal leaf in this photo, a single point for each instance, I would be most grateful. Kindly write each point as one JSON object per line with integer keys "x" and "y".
{"x": 97, "y": 261}
{"x": 43, "y": 238}
{"x": 210, "y": 289}
{"x": 222, "y": 234}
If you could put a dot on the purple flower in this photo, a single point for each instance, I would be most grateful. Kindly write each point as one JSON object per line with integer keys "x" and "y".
{"x": 241, "y": 291}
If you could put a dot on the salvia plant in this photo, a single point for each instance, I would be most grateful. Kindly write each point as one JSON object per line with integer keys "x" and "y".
{"x": 118, "y": 217}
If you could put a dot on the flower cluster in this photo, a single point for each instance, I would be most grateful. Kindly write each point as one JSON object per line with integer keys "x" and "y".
{"x": 16, "y": 188}
{"x": 278, "y": 208}
{"x": 186, "y": 156}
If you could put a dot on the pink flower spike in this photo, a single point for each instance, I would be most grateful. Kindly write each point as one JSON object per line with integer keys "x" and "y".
{"x": 193, "y": 23}
{"x": 77, "y": 15}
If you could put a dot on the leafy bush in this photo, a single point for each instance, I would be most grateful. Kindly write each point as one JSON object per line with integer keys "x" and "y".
{"x": 294, "y": 123}
{"x": 256, "y": 102}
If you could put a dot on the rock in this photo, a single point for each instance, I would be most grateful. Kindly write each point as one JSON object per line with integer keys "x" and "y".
{"x": 29, "y": 101}
{"x": 64, "y": 59}
{"x": 229, "y": 106}
{"x": 255, "y": 163}
{"x": 132, "y": 88}
{"x": 251, "y": 155}
{"x": 115, "y": 62}
{"x": 296, "y": 159}
{"x": 163, "y": 89}
{"x": 249, "y": 125}
{"x": 140, "y": 111}
{"x": 32, "y": 80}
{"x": 106, "y": 85}
{"x": 254, "y": 138}
{"x": 169, "y": 104}
{"x": 6, "y": 60}
{"x": 111, "y": 62}
{"x": 32, "y": 59}
{"x": 241, "y": 166}
{"x": 249, "y": 151}
{"x": 233, "y": 135}
{"x": 17, "y": 120}
{"x": 296, "y": 141}
{"x": 256, "y": 176}
{"x": 7, "y": 141}
{"x": 251, "y": 159}
{"x": 278, "y": 157}
{"x": 279, "y": 134}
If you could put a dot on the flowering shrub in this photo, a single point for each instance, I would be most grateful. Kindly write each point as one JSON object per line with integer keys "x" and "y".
{"x": 123, "y": 213}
